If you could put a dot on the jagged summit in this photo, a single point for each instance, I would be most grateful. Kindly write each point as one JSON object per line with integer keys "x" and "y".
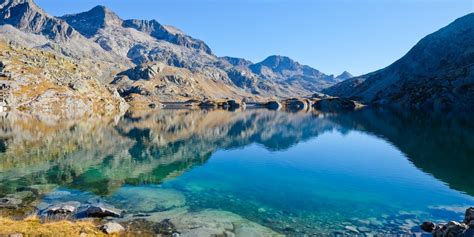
{"x": 27, "y": 16}
{"x": 161, "y": 32}
{"x": 279, "y": 63}
{"x": 90, "y": 22}
{"x": 345, "y": 75}
{"x": 285, "y": 67}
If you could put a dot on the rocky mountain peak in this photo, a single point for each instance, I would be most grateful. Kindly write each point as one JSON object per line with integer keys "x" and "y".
{"x": 90, "y": 22}
{"x": 345, "y": 75}
{"x": 279, "y": 63}
{"x": 27, "y": 16}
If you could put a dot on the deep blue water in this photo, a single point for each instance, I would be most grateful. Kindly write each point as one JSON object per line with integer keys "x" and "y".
{"x": 292, "y": 172}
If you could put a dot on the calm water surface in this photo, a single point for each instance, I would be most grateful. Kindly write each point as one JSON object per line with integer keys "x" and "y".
{"x": 377, "y": 170}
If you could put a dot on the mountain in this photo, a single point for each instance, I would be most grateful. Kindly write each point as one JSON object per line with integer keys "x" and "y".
{"x": 23, "y": 22}
{"x": 344, "y": 76}
{"x": 285, "y": 70}
{"x": 437, "y": 73}
{"x": 144, "y": 61}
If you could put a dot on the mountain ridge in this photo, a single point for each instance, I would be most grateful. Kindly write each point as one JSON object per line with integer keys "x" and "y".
{"x": 148, "y": 62}
{"x": 437, "y": 73}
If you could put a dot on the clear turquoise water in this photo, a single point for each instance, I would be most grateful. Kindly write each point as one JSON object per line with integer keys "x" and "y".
{"x": 295, "y": 173}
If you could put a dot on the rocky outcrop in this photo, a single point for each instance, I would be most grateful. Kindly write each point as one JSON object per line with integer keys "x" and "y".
{"x": 452, "y": 228}
{"x": 112, "y": 228}
{"x": 436, "y": 74}
{"x": 273, "y": 105}
{"x": 336, "y": 105}
{"x": 296, "y": 104}
{"x": 89, "y": 23}
{"x": 344, "y": 76}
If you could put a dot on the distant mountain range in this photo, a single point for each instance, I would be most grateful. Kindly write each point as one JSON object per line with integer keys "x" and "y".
{"x": 147, "y": 61}
{"x": 437, "y": 73}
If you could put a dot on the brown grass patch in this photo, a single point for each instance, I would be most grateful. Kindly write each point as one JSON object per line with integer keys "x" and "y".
{"x": 33, "y": 227}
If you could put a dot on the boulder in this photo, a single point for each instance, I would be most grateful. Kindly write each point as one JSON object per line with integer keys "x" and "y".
{"x": 207, "y": 104}
{"x": 112, "y": 228}
{"x": 296, "y": 104}
{"x": 335, "y": 105}
{"x": 9, "y": 202}
{"x": 61, "y": 209}
{"x": 273, "y": 105}
{"x": 454, "y": 228}
{"x": 428, "y": 226}
{"x": 232, "y": 104}
{"x": 469, "y": 215}
{"x": 101, "y": 211}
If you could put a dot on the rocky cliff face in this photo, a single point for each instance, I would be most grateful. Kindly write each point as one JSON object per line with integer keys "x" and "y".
{"x": 160, "y": 32}
{"x": 26, "y": 16}
{"x": 437, "y": 73}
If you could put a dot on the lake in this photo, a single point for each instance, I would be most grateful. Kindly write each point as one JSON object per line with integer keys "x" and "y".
{"x": 369, "y": 171}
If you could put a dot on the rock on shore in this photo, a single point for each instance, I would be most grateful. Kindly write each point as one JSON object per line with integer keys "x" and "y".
{"x": 452, "y": 228}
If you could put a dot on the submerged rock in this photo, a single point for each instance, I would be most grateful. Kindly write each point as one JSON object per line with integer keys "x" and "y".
{"x": 149, "y": 199}
{"x": 218, "y": 223}
{"x": 146, "y": 228}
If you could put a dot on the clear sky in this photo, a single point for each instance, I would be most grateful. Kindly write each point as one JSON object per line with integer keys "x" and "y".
{"x": 359, "y": 36}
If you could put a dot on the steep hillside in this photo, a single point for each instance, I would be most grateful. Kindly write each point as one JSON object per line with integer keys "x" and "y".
{"x": 437, "y": 73}
{"x": 45, "y": 84}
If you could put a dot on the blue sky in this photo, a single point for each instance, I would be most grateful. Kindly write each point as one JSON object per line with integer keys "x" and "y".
{"x": 329, "y": 35}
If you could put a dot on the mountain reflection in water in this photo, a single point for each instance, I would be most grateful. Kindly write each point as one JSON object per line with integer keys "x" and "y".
{"x": 102, "y": 157}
